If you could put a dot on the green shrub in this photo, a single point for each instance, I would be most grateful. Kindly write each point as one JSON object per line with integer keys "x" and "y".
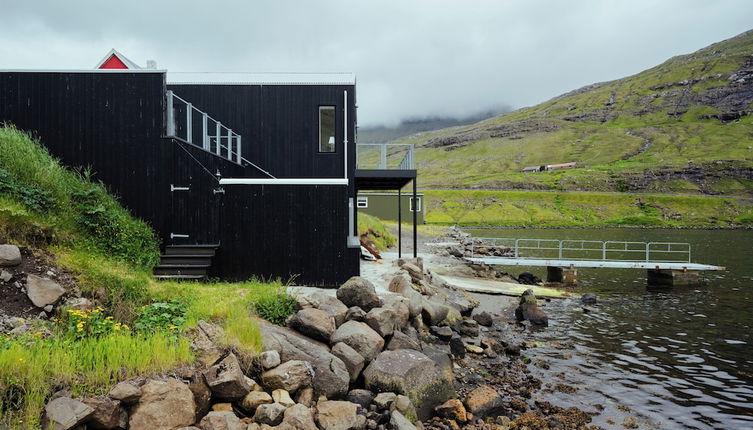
{"x": 79, "y": 324}
{"x": 275, "y": 306}
{"x": 158, "y": 316}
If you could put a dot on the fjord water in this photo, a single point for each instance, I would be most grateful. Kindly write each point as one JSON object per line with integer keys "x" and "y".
{"x": 674, "y": 358}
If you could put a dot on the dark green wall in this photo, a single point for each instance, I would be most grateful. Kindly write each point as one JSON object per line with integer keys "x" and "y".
{"x": 384, "y": 206}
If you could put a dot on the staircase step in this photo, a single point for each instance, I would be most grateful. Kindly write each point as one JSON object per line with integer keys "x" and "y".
{"x": 179, "y": 277}
{"x": 202, "y": 250}
{"x": 185, "y": 259}
{"x": 181, "y": 269}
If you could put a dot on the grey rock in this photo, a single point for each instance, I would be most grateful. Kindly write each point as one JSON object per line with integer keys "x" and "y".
{"x": 410, "y": 373}
{"x": 434, "y": 313}
{"x": 43, "y": 291}
{"x": 483, "y": 318}
{"x": 332, "y": 306}
{"x": 255, "y": 399}
{"x": 415, "y": 272}
{"x": 206, "y": 341}
{"x": 270, "y": 414}
{"x": 339, "y": 415}
{"x": 353, "y": 360}
{"x": 289, "y": 376}
{"x": 282, "y": 397}
{"x": 305, "y": 396}
{"x": 64, "y": 413}
{"x": 299, "y": 417}
{"x": 457, "y": 347}
{"x": 529, "y": 310}
{"x": 355, "y": 314}
{"x": 401, "y": 340}
{"x": 108, "y": 414}
{"x": 360, "y": 337}
{"x": 226, "y": 380}
{"x": 10, "y": 255}
{"x": 399, "y": 422}
{"x": 202, "y": 395}
{"x": 440, "y": 355}
{"x": 360, "y": 397}
{"x": 125, "y": 392}
{"x": 269, "y": 359}
{"x": 164, "y": 405}
{"x": 468, "y": 327}
{"x": 415, "y": 303}
{"x": 48, "y": 308}
{"x": 382, "y": 320}
{"x": 224, "y": 420}
{"x": 588, "y": 299}
{"x": 484, "y": 402}
{"x": 401, "y": 284}
{"x": 400, "y": 306}
{"x": 359, "y": 292}
{"x": 314, "y": 323}
{"x": 444, "y": 333}
{"x": 331, "y": 377}
{"x": 5, "y": 276}
{"x": 383, "y": 401}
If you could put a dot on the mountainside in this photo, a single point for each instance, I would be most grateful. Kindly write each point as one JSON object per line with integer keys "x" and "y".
{"x": 682, "y": 126}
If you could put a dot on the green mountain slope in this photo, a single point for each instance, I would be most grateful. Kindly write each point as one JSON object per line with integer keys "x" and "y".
{"x": 682, "y": 126}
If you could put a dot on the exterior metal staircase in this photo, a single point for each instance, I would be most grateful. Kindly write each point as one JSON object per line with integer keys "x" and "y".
{"x": 187, "y": 262}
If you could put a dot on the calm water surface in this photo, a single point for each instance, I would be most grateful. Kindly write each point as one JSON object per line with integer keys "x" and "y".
{"x": 676, "y": 358}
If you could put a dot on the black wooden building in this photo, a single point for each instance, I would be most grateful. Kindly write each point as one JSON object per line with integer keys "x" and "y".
{"x": 262, "y": 171}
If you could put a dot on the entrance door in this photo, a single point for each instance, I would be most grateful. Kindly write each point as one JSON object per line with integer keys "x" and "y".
{"x": 195, "y": 209}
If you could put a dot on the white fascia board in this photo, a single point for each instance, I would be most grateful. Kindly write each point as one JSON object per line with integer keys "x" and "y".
{"x": 82, "y": 71}
{"x": 283, "y": 181}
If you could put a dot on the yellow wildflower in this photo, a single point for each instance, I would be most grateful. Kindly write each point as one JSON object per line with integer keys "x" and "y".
{"x": 173, "y": 327}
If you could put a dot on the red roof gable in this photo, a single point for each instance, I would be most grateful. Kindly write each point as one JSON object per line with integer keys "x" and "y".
{"x": 113, "y": 63}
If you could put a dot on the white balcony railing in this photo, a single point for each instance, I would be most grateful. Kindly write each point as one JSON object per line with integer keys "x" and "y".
{"x": 191, "y": 125}
{"x": 398, "y": 156}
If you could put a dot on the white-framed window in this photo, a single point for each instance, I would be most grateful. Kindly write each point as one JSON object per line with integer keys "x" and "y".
{"x": 417, "y": 206}
{"x": 362, "y": 202}
{"x": 326, "y": 129}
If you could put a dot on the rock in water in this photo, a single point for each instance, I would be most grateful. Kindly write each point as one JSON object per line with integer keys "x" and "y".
{"x": 410, "y": 373}
{"x": 65, "y": 413}
{"x": 457, "y": 347}
{"x": 452, "y": 409}
{"x": 359, "y": 292}
{"x": 484, "y": 402}
{"x": 528, "y": 278}
{"x": 529, "y": 310}
{"x": 10, "y": 255}
{"x": 483, "y": 318}
{"x": 588, "y": 299}
{"x": 313, "y": 323}
{"x": 43, "y": 291}
{"x": 164, "y": 405}
{"x": 360, "y": 337}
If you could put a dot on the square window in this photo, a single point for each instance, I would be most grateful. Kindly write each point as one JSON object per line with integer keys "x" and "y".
{"x": 362, "y": 202}
{"x": 326, "y": 129}
{"x": 417, "y": 206}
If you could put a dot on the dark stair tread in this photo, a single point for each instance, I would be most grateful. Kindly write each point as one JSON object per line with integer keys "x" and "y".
{"x": 185, "y": 256}
{"x": 182, "y": 266}
{"x": 194, "y": 246}
{"x": 180, "y": 276}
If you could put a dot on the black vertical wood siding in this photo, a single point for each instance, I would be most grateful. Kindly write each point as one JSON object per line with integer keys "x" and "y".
{"x": 113, "y": 123}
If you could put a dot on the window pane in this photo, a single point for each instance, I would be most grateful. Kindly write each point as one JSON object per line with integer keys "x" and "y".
{"x": 326, "y": 129}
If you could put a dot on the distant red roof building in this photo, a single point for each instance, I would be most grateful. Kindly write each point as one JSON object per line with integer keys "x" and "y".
{"x": 116, "y": 60}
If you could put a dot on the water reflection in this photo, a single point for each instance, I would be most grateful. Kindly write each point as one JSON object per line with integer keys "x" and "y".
{"x": 678, "y": 358}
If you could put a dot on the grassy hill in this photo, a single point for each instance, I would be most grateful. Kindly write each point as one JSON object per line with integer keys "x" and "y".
{"x": 680, "y": 127}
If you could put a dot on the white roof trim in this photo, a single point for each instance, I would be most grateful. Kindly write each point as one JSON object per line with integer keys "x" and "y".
{"x": 130, "y": 64}
{"x": 81, "y": 71}
{"x": 242, "y": 78}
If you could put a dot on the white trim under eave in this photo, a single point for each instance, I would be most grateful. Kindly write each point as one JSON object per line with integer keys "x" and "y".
{"x": 283, "y": 181}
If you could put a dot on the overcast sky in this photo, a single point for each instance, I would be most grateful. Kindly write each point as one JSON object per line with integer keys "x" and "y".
{"x": 411, "y": 58}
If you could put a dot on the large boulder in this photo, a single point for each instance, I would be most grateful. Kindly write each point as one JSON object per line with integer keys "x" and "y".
{"x": 452, "y": 409}
{"x": 299, "y": 417}
{"x": 255, "y": 399}
{"x": 433, "y": 312}
{"x": 400, "y": 306}
{"x": 331, "y": 305}
{"x": 269, "y": 414}
{"x": 410, "y": 373}
{"x": 382, "y": 320}
{"x": 125, "y": 392}
{"x": 399, "y": 422}
{"x": 10, "y": 255}
{"x": 415, "y": 272}
{"x": 108, "y": 414}
{"x": 64, "y": 413}
{"x": 314, "y": 323}
{"x": 289, "y": 376}
{"x": 360, "y": 337}
{"x": 225, "y": 420}
{"x": 352, "y": 359}
{"x": 401, "y": 284}
{"x": 43, "y": 291}
{"x": 164, "y": 405}
{"x": 206, "y": 339}
{"x": 360, "y": 292}
{"x": 528, "y": 310}
{"x": 226, "y": 379}
{"x": 331, "y": 377}
{"x": 339, "y": 415}
{"x": 401, "y": 340}
{"x": 484, "y": 402}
